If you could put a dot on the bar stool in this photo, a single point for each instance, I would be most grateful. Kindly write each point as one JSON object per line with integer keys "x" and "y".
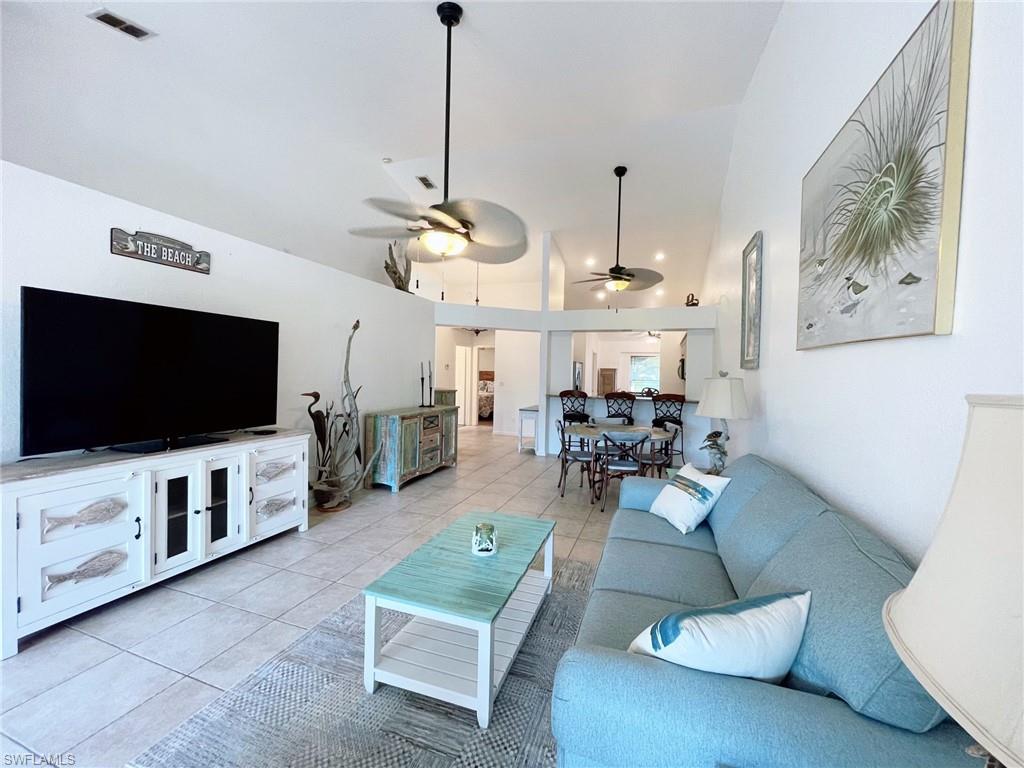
{"x": 619, "y": 406}
{"x": 668, "y": 410}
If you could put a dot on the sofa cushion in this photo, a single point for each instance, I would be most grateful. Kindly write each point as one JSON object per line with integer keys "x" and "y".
{"x": 677, "y": 574}
{"x": 748, "y": 473}
{"x": 763, "y": 525}
{"x": 612, "y": 618}
{"x": 640, "y": 492}
{"x": 850, "y": 572}
{"x": 643, "y": 526}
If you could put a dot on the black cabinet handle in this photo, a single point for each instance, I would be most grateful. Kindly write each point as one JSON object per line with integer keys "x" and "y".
{"x": 251, "y": 495}
{"x": 138, "y": 522}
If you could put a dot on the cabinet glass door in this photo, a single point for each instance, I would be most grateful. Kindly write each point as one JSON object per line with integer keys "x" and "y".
{"x": 223, "y": 521}
{"x": 174, "y": 511}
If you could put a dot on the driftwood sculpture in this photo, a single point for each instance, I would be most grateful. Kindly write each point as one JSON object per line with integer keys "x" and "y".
{"x": 340, "y": 468}
{"x": 399, "y": 266}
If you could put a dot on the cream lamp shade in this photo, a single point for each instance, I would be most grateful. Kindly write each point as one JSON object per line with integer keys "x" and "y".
{"x": 723, "y": 398}
{"x": 958, "y": 624}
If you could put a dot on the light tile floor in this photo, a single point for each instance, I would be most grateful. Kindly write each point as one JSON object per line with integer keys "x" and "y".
{"x": 109, "y": 683}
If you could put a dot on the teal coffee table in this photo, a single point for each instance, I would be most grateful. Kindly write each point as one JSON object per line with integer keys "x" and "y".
{"x": 471, "y": 613}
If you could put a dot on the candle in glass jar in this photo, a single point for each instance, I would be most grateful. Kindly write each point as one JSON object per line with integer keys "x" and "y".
{"x": 485, "y": 540}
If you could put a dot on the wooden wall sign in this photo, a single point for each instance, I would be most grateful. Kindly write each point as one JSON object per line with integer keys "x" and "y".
{"x": 159, "y": 250}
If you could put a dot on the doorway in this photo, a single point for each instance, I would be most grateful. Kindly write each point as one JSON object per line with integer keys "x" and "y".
{"x": 485, "y": 386}
{"x": 463, "y": 383}
{"x": 605, "y": 381}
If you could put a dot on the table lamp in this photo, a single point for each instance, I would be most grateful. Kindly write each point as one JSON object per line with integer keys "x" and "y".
{"x": 958, "y": 624}
{"x": 723, "y": 398}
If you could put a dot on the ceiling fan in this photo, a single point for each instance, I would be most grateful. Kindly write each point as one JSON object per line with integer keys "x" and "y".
{"x": 620, "y": 278}
{"x": 477, "y": 230}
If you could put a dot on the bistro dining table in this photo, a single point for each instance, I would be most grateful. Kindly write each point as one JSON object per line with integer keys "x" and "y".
{"x": 595, "y": 432}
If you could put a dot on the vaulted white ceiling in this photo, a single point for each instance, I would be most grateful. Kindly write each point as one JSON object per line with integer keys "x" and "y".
{"x": 270, "y": 120}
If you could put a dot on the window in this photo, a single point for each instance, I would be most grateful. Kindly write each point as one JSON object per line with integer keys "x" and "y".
{"x": 644, "y": 372}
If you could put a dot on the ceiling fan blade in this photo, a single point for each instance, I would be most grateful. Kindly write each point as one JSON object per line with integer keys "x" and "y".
{"x": 490, "y": 224}
{"x": 493, "y": 254}
{"x": 604, "y": 279}
{"x": 403, "y": 209}
{"x": 388, "y": 233}
{"x": 642, "y": 279}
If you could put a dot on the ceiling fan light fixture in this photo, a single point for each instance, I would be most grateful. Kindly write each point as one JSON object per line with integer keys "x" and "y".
{"x": 441, "y": 243}
{"x": 616, "y": 285}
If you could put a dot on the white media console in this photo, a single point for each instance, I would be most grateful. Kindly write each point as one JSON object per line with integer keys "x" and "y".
{"x": 79, "y": 531}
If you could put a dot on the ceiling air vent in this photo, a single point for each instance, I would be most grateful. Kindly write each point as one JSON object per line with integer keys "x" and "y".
{"x": 426, "y": 182}
{"x": 122, "y": 25}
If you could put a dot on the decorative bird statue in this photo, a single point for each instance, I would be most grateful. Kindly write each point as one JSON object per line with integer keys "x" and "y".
{"x": 715, "y": 446}
{"x": 320, "y": 419}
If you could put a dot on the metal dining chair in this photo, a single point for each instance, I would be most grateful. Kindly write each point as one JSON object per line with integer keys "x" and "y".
{"x": 649, "y": 392}
{"x": 663, "y": 453}
{"x": 618, "y": 455}
{"x": 619, "y": 408}
{"x": 569, "y": 456}
{"x": 668, "y": 411}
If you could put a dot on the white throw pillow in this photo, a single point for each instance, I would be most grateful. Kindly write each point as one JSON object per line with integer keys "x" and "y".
{"x": 756, "y": 638}
{"x": 688, "y": 498}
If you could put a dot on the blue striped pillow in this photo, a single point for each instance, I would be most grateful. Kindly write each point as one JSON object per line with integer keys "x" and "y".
{"x": 688, "y": 498}
{"x": 756, "y": 638}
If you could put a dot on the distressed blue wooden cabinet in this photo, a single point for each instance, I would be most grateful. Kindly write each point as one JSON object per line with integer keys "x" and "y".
{"x": 415, "y": 441}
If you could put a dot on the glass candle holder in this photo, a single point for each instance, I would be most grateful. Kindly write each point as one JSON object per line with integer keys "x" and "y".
{"x": 485, "y": 540}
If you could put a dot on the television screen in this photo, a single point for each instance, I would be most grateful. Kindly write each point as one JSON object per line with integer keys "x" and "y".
{"x": 98, "y": 372}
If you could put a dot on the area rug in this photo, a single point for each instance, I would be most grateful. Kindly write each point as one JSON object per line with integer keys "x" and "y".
{"x": 307, "y": 708}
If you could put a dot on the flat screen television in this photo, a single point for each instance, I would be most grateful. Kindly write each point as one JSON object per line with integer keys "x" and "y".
{"x": 103, "y": 372}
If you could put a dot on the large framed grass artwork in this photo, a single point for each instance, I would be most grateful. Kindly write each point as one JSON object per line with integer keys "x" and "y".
{"x": 880, "y": 213}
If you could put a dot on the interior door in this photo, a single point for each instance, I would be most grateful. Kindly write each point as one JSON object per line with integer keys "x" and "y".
{"x": 176, "y": 515}
{"x": 605, "y": 381}
{"x": 222, "y": 512}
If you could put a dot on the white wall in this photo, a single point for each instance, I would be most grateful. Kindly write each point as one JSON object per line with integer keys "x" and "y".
{"x": 56, "y": 235}
{"x": 487, "y": 358}
{"x": 876, "y": 427}
{"x": 516, "y": 376}
{"x": 671, "y": 384}
{"x": 445, "y": 341}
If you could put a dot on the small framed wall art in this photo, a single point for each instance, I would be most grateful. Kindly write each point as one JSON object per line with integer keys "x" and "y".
{"x": 750, "y": 317}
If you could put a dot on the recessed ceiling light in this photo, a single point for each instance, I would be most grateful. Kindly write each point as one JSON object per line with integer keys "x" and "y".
{"x": 385, "y": 160}
{"x": 659, "y": 256}
{"x": 601, "y": 295}
{"x": 591, "y": 261}
{"x": 660, "y": 291}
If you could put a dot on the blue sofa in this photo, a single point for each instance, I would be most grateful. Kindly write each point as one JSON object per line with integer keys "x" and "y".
{"x": 848, "y": 701}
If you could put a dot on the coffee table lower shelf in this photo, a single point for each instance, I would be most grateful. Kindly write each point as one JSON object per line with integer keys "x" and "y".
{"x": 441, "y": 656}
